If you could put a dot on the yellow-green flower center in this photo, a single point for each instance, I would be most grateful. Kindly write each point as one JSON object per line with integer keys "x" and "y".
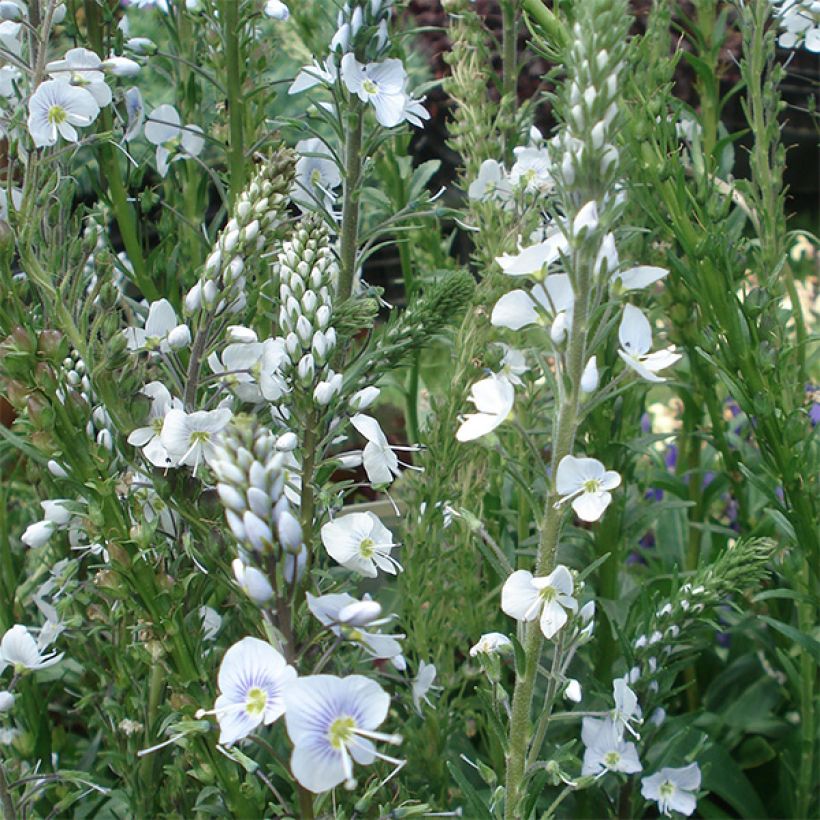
{"x": 200, "y": 437}
{"x": 611, "y": 759}
{"x": 591, "y": 485}
{"x": 367, "y": 548}
{"x": 341, "y": 731}
{"x": 57, "y": 115}
{"x": 667, "y": 789}
{"x": 256, "y": 701}
{"x": 156, "y": 424}
{"x": 370, "y": 87}
{"x": 548, "y": 594}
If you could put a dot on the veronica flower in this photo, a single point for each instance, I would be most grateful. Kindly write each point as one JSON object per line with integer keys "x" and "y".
{"x": 422, "y": 684}
{"x": 345, "y": 616}
{"x": 491, "y": 643}
{"x": 313, "y": 75}
{"x": 635, "y": 335}
{"x": 532, "y": 170}
{"x": 189, "y": 437}
{"x": 534, "y": 259}
{"x": 331, "y": 723}
{"x": 605, "y": 750}
{"x": 513, "y": 364}
{"x": 359, "y": 541}
{"x": 252, "y": 679}
{"x": 82, "y": 68}
{"x": 673, "y": 789}
{"x": 18, "y": 649}
{"x": 491, "y": 183}
{"x": 135, "y": 110}
{"x": 378, "y": 457}
{"x": 519, "y": 308}
{"x": 587, "y": 484}
{"x": 55, "y": 108}
{"x": 149, "y": 438}
{"x": 237, "y": 363}
{"x": 164, "y": 130}
{"x": 161, "y": 320}
{"x": 57, "y": 517}
{"x": 493, "y": 397}
{"x": 526, "y": 598}
{"x": 626, "y": 708}
{"x": 276, "y": 9}
{"x": 317, "y": 174}
{"x": 379, "y": 84}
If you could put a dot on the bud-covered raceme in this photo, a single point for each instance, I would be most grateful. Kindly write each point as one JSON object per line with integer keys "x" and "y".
{"x": 250, "y": 471}
{"x": 306, "y": 272}
{"x": 256, "y": 215}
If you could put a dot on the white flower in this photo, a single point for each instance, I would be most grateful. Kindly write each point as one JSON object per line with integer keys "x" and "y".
{"x": 252, "y": 679}
{"x": 18, "y": 649}
{"x": 38, "y": 534}
{"x": 605, "y": 750}
{"x": 493, "y": 397}
{"x": 513, "y": 364}
{"x": 491, "y": 643}
{"x": 526, "y": 598}
{"x": 586, "y": 219}
{"x": 519, "y": 308}
{"x": 276, "y": 9}
{"x": 331, "y": 722}
{"x": 82, "y": 68}
{"x": 163, "y": 129}
{"x": 313, "y": 75}
{"x": 414, "y": 111}
{"x": 211, "y": 622}
{"x": 161, "y": 320}
{"x": 359, "y": 541}
{"x": 380, "y": 84}
{"x": 121, "y": 66}
{"x": 673, "y": 789}
{"x": 800, "y": 24}
{"x": 189, "y": 437}
{"x": 635, "y": 335}
{"x": 252, "y": 582}
{"x": 380, "y": 462}
{"x": 641, "y": 276}
{"x": 491, "y": 183}
{"x": 55, "y": 108}
{"x": 6, "y": 701}
{"x": 345, "y": 616}
{"x": 237, "y": 363}
{"x": 136, "y": 113}
{"x": 317, "y": 174}
{"x": 532, "y": 170}
{"x": 534, "y": 259}
{"x": 587, "y": 483}
{"x": 422, "y": 684}
{"x": 149, "y": 437}
{"x": 626, "y": 708}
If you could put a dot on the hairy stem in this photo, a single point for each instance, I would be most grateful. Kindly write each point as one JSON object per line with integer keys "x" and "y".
{"x": 233, "y": 64}
{"x": 350, "y": 202}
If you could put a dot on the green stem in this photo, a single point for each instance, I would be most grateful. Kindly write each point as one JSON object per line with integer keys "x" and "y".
{"x": 509, "y": 73}
{"x": 6, "y": 800}
{"x": 350, "y": 201}
{"x": 547, "y": 20}
{"x": 564, "y": 437}
{"x": 233, "y": 65}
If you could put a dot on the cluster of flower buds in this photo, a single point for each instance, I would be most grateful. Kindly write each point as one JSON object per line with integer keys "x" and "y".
{"x": 306, "y": 271}
{"x": 256, "y": 215}
{"x": 249, "y": 464}
{"x": 362, "y": 29}
{"x": 585, "y": 145}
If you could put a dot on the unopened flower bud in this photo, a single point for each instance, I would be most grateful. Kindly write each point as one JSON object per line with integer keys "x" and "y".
{"x": 589, "y": 378}
{"x": 180, "y": 337}
{"x": 289, "y": 531}
{"x": 306, "y": 370}
{"x": 287, "y": 442}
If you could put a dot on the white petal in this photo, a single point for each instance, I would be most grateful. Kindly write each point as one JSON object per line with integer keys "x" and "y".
{"x": 640, "y": 276}
{"x": 553, "y": 617}
{"x": 514, "y": 310}
{"x": 519, "y": 596}
{"x": 590, "y": 507}
{"x": 635, "y": 332}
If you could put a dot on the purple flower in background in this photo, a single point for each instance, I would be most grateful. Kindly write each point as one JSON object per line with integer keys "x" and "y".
{"x": 646, "y": 423}
{"x": 671, "y": 457}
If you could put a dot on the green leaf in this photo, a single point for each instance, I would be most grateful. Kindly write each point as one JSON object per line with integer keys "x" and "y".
{"x": 805, "y": 641}
{"x": 478, "y": 804}
{"x": 723, "y": 777}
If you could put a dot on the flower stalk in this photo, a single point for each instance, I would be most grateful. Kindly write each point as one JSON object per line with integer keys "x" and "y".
{"x": 350, "y": 198}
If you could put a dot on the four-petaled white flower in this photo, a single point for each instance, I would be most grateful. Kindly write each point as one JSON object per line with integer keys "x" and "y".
{"x": 587, "y": 483}
{"x": 491, "y": 183}
{"x": 626, "y": 709}
{"x": 525, "y": 598}
{"x": 252, "y": 679}
{"x": 378, "y": 457}
{"x": 605, "y": 750}
{"x": 422, "y": 684}
{"x": 534, "y": 259}
{"x": 18, "y": 649}
{"x": 161, "y": 320}
{"x": 165, "y": 130}
{"x": 673, "y": 789}
{"x": 189, "y": 437}
{"x": 345, "y": 616}
{"x": 84, "y": 69}
{"x": 359, "y": 541}
{"x": 331, "y": 722}
{"x": 55, "y": 108}
{"x": 554, "y": 299}
{"x": 493, "y": 397}
{"x": 317, "y": 174}
{"x": 149, "y": 438}
{"x": 380, "y": 84}
{"x": 532, "y": 170}
{"x": 635, "y": 335}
